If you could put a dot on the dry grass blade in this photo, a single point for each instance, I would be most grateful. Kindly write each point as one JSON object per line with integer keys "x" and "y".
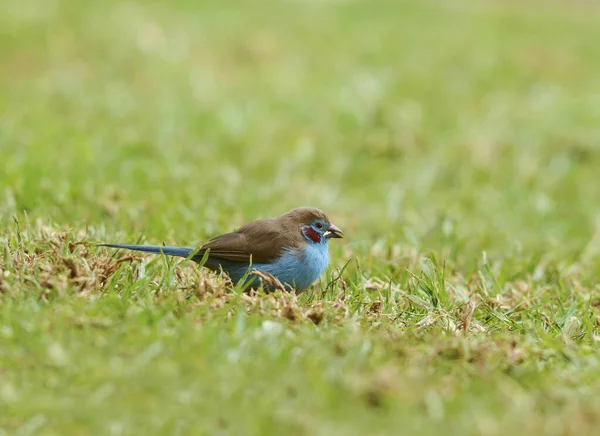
{"x": 268, "y": 279}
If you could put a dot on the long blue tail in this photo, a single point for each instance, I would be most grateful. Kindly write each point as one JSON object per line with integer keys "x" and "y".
{"x": 158, "y": 249}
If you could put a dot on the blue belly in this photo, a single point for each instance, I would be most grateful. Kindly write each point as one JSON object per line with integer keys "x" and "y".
{"x": 299, "y": 269}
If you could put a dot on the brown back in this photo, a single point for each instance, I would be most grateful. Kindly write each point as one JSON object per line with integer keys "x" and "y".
{"x": 263, "y": 240}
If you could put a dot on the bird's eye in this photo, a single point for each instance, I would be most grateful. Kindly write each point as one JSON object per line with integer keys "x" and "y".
{"x": 319, "y": 226}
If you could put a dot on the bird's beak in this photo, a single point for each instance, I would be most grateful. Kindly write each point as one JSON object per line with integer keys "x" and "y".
{"x": 333, "y": 232}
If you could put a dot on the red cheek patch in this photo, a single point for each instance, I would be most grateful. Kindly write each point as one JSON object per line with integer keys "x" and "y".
{"x": 314, "y": 236}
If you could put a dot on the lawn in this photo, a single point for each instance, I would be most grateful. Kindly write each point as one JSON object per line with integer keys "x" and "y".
{"x": 456, "y": 144}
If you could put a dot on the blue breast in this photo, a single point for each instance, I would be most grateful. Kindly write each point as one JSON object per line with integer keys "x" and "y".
{"x": 297, "y": 268}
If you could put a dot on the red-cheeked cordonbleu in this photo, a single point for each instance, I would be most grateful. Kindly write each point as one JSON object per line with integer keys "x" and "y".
{"x": 293, "y": 248}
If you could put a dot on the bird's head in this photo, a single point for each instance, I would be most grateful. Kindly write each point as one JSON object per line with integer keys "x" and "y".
{"x": 314, "y": 225}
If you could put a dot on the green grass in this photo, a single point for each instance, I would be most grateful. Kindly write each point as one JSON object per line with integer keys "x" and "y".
{"x": 455, "y": 143}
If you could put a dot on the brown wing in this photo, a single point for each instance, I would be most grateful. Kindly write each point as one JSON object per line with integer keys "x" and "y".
{"x": 263, "y": 240}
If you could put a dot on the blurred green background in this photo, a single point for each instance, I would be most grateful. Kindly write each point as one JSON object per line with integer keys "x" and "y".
{"x": 463, "y": 129}
{"x": 182, "y": 118}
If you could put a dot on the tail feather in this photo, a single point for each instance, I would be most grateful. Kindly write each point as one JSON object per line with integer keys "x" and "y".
{"x": 157, "y": 249}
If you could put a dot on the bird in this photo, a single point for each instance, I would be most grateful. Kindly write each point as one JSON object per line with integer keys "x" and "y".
{"x": 293, "y": 248}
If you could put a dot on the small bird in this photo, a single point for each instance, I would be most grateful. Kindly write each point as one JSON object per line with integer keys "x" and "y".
{"x": 293, "y": 248}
